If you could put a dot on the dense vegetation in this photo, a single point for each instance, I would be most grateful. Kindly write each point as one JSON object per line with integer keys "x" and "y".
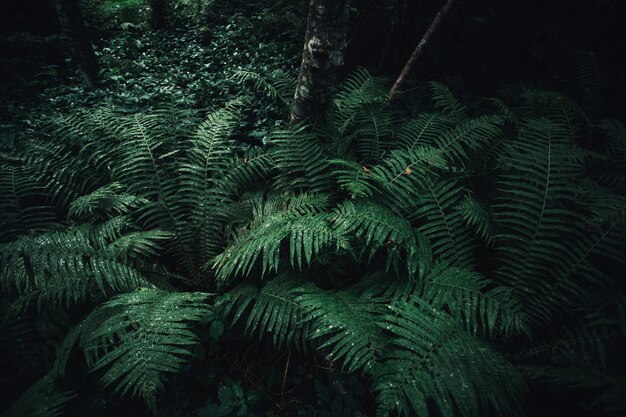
{"x": 172, "y": 243}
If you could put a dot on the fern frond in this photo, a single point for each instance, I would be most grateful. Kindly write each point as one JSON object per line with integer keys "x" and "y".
{"x": 301, "y": 161}
{"x": 579, "y": 358}
{"x": 378, "y": 229}
{"x": 508, "y": 113}
{"x": 352, "y": 177}
{"x": 248, "y": 172}
{"x": 432, "y": 359}
{"x": 343, "y": 323}
{"x": 402, "y": 177}
{"x": 278, "y": 86}
{"x": 473, "y": 301}
{"x": 445, "y": 102}
{"x": 106, "y": 202}
{"x": 308, "y": 235}
{"x": 470, "y": 135}
{"x": 556, "y": 107}
{"x": 140, "y": 151}
{"x": 533, "y": 216}
{"x": 200, "y": 175}
{"x": 372, "y": 131}
{"x": 444, "y": 225}
{"x": 592, "y": 77}
{"x": 62, "y": 268}
{"x": 268, "y": 310}
{"x": 25, "y": 201}
{"x": 358, "y": 114}
{"x": 423, "y": 130}
{"x": 138, "y": 244}
{"x": 359, "y": 89}
{"x": 139, "y": 338}
{"x": 477, "y": 216}
{"x": 609, "y": 165}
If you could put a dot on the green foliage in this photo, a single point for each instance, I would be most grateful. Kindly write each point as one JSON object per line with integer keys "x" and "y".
{"x": 140, "y": 337}
{"x": 269, "y": 309}
{"x": 340, "y": 320}
{"x": 59, "y": 269}
{"x": 411, "y": 252}
{"x": 187, "y": 68}
{"x": 109, "y": 15}
{"x": 440, "y": 363}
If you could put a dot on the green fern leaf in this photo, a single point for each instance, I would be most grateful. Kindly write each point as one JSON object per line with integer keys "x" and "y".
{"x": 443, "y": 223}
{"x": 431, "y": 359}
{"x": 269, "y": 310}
{"x": 378, "y": 228}
{"x": 140, "y": 338}
{"x": 301, "y": 161}
{"x": 343, "y": 323}
{"x": 62, "y": 268}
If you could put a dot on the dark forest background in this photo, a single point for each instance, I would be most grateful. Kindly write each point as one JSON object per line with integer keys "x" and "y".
{"x": 482, "y": 46}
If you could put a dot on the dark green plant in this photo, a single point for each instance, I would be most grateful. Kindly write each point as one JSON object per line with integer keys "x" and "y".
{"x": 415, "y": 253}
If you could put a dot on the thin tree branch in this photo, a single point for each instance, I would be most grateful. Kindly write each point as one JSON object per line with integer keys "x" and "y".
{"x": 397, "y": 86}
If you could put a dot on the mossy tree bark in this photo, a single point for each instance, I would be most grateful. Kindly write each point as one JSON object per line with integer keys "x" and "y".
{"x": 73, "y": 25}
{"x": 157, "y": 14}
{"x": 322, "y": 56}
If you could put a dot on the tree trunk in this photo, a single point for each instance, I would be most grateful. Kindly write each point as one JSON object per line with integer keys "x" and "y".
{"x": 74, "y": 28}
{"x": 322, "y": 56}
{"x": 157, "y": 14}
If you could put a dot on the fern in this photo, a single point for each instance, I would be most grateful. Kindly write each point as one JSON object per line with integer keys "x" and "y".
{"x": 469, "y": 135}
{"x": 409, "y": 249}
{"x": 342, "y": 322}
{"x": 25, "y": 202}
{"x": 423, "y": 130}
{"x": 106, "y": 202}
{"x": 300, "y": 160}
{"x": 269, "y": 310}
{"x": 377, "y": 228}
{"x": 444, "y": 225}
{"x": 358, "y": 115}
{"x": 397, "y": 180}
{"x": 200, "y": 174}
{"x": 138, "y": 152}
{"x": 608, "y": 167}
{"x": 446, "y": 103}
{"x": 478, "y": 217}
{"x": 441, "y": 363}
{"x": 534, "y": 212}
{"x": 63, "y": 268}
{"x": 278, "y": 86}
{"x": 592, "y": 77}
{"x": 308, "y": 235}
{"x": 139, "y": 338}
{"x": 473, "y": 301}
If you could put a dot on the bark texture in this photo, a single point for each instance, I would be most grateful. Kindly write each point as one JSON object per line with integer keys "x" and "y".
{"x": 322, "y": 56}
{"x": 74, "y": 28}
{"x": 157, "y": 14}
{"x": 397, "y": 86}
